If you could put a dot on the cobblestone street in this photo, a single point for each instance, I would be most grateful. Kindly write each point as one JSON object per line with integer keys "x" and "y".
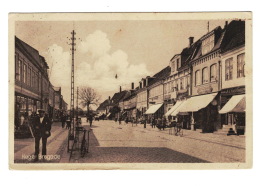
{"x": 127, "y": 143}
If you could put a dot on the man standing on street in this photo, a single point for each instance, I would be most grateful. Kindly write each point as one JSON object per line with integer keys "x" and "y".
{"x": 42, "y": 130}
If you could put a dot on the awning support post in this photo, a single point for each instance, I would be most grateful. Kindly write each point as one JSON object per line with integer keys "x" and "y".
{"x": 192, "y": 122}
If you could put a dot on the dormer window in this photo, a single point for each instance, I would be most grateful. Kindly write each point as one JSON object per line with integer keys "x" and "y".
{"x": 178, "y": 63}
{"x": 207, "y": 44}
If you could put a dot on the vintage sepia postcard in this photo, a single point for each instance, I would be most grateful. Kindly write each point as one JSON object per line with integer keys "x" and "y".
{"x": 130, "y": 91}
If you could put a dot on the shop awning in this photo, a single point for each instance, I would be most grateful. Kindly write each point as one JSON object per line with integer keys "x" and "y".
{"x": 178, "y": 103}
{"x": 235, "y": 104}
{"x": 177, "y": 110}
{"x": 196, "y": 103}
{"x": 153, "y": 108}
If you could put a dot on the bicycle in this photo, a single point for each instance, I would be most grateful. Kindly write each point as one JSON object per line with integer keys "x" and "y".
{"x": 84, "y": 144}
{"x": 178, "y": 129}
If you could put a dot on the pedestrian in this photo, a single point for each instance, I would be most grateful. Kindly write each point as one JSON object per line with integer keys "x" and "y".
{"x": 90, "y": 120}
{"x": 63, "y": 120}
{"x": 42, "y": 130}
{"x": 164, "y": 122}
{"x": 119, "y": 120}
{"x": 153, "y": 122}
{"x": 159, "y": 123}
{"x": 68, "y": 122}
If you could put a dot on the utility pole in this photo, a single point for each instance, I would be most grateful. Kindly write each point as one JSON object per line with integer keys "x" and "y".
{"x": 77, "y": 115}
{"x": 72, "y": 109}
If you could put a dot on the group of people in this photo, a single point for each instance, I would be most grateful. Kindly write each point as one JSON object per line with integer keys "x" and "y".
{"x": 160, "y": 123}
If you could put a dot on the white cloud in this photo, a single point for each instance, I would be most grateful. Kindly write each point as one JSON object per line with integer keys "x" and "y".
{"x": 99, "y": 72}
{"x": 96, "y": 44}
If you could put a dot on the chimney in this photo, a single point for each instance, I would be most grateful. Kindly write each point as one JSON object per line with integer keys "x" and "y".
{"x": 109, "y": 98}
{"x": 144, "y": 82}
{"x": 147, "y": 80}
{"x": 140, "y": 84}
{"x": 132, "y": 86}
{"x": 191, "y": 40}
{"x": 120, "y": 89}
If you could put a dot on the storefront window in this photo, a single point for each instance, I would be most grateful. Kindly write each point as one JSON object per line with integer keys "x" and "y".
{"x": 241, "y": 65}
{"x": 229, "y": 69}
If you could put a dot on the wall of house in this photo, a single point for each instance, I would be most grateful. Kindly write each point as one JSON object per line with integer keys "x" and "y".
{"x": 212, "y": 85}
{"x": 156, "y": 94}
{"x": 235, "y": 81}
{"x": 142, "y": 99}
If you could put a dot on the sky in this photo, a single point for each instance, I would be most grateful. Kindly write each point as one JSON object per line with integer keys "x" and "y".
{"x": 129, "y": 49}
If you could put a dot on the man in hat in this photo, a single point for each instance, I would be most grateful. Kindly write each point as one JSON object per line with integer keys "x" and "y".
{"x": 42, "y": 130}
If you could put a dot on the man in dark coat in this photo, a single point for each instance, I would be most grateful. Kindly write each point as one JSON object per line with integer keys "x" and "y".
{"x": 42, "y": 130}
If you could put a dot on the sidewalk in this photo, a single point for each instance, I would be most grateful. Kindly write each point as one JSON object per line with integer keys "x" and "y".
{"x": 24, "y": 148}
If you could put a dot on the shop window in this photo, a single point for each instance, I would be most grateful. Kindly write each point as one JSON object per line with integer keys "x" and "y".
{"x": 213, "y": 72}
{"x": 229, "y": 68}
{"x": 197, "y": 78}
{"x": 241, "y": 65}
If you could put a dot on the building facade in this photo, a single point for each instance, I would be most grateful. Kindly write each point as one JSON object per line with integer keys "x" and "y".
{"x": 233, "y": 76}
{"x": 33, "y": 89}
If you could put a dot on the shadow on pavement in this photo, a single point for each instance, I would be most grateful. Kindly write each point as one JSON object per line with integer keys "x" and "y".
{"x": 138, "y": 155}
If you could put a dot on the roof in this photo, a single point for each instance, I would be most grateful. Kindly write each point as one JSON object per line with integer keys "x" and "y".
{"x": 103, "y": 105}
{"x": 29, "y": 50}
{"x": 189, "y": 53}
{"x": 117, "y": 97}
{"x": 234, "y": 36}
{"x": 131, "y": 94}
{"x": 161, "y": 75}
{"x": 219, "y": 34}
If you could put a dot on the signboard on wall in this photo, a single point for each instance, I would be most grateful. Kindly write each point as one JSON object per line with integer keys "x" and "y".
{"x": 205, "y": 89}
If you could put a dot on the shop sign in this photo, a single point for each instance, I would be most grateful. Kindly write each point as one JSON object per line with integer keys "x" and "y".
{"x": 205, "y": 90}
{"x": 233, "y": 91}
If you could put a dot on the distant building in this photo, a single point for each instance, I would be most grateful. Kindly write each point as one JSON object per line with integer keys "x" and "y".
{"x": 156, "y": 93}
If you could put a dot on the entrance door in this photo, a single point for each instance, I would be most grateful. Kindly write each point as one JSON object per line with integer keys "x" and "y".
{"x": 230, "y": 119}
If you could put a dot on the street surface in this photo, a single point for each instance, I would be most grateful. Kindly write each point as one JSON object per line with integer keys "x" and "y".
{"x": 127, "y": 143}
